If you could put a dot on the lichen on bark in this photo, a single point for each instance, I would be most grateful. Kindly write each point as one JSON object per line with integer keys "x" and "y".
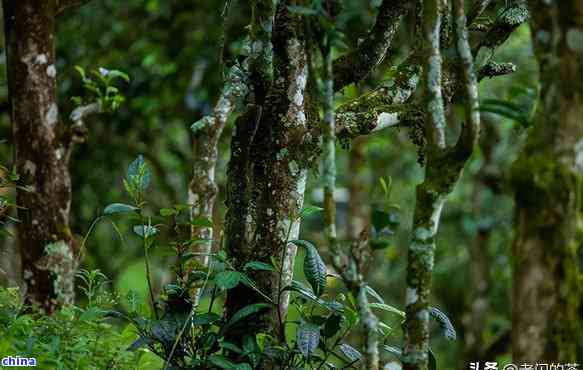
{"x": 546, "y": 178}
{"x": 44, "y": 195}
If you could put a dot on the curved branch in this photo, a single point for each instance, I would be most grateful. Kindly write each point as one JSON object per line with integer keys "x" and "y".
{"x": 356, "y": 65}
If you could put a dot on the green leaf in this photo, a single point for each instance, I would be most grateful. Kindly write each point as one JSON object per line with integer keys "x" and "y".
{"x": 165, "y": 212}
{"x": 221, "y": 362}
{"x": 314, "y": 267}
{"x": 227, "y": 279}
{"x": 258, "y": 266}
{"x": 350, "y": 352}
{"x": 310, "y": 210}
{"x": 245, "y": 312}
{"x": 388, "y": 308}
{"x": 298, "y": 287}
{"x": 373, "y": 293}
{"x": 205, "y": 318}
{"x": 145, "y": 231}
{"x": 119, "y": 208}
{"x": 139, "y": 173}
{"x": 447, "y": 328}
{"x": 243, "y": 366}
{"x": 201, "y": 222}
{"x": 232, "y": 347}
{"x": 397, "y": 352}
{"x": 118, "y": 74}
{"x": 308, "y": 337}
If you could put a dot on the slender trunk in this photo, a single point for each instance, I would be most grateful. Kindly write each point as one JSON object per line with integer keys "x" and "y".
{"x": 442, "y": 170}
{"x": 547, "y": 178}
{"x": 46, "y": 242}
{"x": 203, "y": 188}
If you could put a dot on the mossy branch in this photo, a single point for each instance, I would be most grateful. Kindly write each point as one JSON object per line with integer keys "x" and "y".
{"x": 356, "y": 65}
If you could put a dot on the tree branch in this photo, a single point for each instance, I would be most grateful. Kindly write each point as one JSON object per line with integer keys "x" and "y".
{"x": 477, "y": 10}
{"x": 508, "y": 21}
{"x": 356, "y": 65}
{"x": 471, "y": 128}
{"x": 78, "y": 131}
{"x": 493, "y": 69}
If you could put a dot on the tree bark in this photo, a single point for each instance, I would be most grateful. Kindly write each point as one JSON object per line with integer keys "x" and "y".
{"x": 443, "y": 168}
{"x": 45, "y": 240}
{"x": 273, "y": 145}
{"x": 547, "y": 178}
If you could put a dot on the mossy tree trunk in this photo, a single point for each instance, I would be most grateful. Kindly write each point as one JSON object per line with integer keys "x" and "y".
{"x": 274, "y": 142}
{"x": 547, "y": 178}
{"x": 42, "y": 146}
{"x": 45, "y": 198}
{"x": 443, "y": 168}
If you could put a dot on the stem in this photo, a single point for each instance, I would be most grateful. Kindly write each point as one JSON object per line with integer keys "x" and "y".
{"x": 147, "y": 258}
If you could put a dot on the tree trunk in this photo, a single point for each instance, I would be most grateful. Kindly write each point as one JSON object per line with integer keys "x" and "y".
{"x": 41, "y": 158}
{"x": 270, "y": 152}
{"x": 547, "y": 178}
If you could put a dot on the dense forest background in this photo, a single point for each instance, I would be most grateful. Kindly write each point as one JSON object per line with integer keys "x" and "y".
{"x": 174, "y": 63}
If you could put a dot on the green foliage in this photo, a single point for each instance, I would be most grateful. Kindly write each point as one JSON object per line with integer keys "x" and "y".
{"x": 99, "y": 84}
{"x": 75, "y": 337}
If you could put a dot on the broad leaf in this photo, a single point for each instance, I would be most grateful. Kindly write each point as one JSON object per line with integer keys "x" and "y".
{"x": 258, "y": 266}
{"x": 445, "y": 324}
{"x": 314, "y": 267}
{"x": 308, "y": 337}
{"x": 397, "y": 352}
{"x": 309, "y": 210}
{"x": 139, "y": 173}
{"x": 350, "y": 352}
{"x": 119, "y": 208}
{"x": 245, "y": 312}
{"x": 205, "y": 318}
{"x": 227, "y": 279}
{"x": 221, "y": 362}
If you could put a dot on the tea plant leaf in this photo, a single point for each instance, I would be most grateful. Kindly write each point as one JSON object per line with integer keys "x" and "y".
{"x": 314, "y": 267}
{"x": 221, "y": 362}
{"x": 445, "y": 324}
{"x": 350, "y": 352}
{"x": 245, "y": 312}
{"x": 119, "y": 208}
{"x": 227, "y": 279}
{"x": 258, "y": 266}
{"x": 388, "y": 308}
{"x": 308, "y": 338}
